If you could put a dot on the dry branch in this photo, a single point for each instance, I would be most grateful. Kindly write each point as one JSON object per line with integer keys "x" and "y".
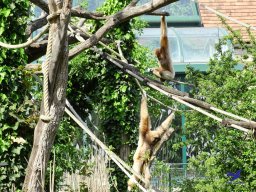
{"x": 133, "y": 3}
{"x": 249, "y": 125}
{"x": 80, "y": 12}
{"x": 37, "y": 68}
{"x": 36, "y": 24}
{"x": 198, "y": 103}
{"x": 208, "y": 106}
{"x": 158, "y": 13}
{"x": 38, "y": 49}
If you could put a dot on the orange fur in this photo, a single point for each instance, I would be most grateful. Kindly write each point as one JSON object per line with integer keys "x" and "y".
{"x": 165, "y": 70}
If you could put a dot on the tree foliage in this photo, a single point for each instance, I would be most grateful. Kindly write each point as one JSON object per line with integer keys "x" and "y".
{"x": 218, "y": 150}
{"x": 18, "y": 112}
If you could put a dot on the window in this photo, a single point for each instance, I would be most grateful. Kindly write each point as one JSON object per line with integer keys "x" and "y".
{"x": 179, "y": 8}
{"x": 188, "y": 45}
{"x": 183, "y": 12}
{"x": 151, "y": 39}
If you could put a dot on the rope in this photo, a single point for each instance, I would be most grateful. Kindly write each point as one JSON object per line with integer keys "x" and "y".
{"x": 121, "y": 55}
{"x": 45, "y": 68}
{"x": 29, "y": 42}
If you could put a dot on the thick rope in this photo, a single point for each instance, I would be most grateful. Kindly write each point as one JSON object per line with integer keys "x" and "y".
{"x": 29, "y": 42}
{"x": 45, "y": 68}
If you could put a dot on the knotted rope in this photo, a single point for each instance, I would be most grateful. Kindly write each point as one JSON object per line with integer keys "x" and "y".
{"x": 45, "y": 68}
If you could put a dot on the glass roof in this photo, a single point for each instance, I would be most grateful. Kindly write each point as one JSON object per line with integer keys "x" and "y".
{"x": 187, "y": 45}
{"x": 179, "y": 8}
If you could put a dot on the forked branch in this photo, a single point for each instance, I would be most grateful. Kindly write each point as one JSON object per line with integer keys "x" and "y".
{"x": 116, "y": 19}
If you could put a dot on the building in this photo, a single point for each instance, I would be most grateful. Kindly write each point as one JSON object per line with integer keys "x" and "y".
{"x": 241, "y": 11}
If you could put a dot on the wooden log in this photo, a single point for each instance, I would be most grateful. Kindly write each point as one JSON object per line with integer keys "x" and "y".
{"x": 159, "y": 13}
{"x": 196, "y": 102}
{"x": 36, "y": 68}
{"x": 249, "y": 125}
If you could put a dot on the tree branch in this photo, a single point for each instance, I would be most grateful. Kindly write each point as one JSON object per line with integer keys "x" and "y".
{"x": 249, "y": 125}
{"x": 120, "y": 17}
{"x": 36, "y": 24}
{"x": 179, "y": 96}
{"x": 159, "y": 13}
{"x": 198, "y": 103}
{"x": 42, "y": 4}
{"x": 80, "y": 12}
{"x": 77, "y": 11}
{"x": 38, "y": 49}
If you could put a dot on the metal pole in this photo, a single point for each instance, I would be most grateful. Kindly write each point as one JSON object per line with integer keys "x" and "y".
{"x": 184, "y": 148}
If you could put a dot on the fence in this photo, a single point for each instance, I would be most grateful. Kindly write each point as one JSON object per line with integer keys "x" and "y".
{"x": 168, "y": 176}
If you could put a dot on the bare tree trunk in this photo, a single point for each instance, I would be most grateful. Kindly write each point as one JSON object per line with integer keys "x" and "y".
{"x": 44, "y": 134}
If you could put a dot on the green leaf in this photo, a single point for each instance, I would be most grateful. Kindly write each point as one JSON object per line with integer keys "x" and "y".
{"x": 3, "y": 97}
{"x": 5, "y": 12}
{"x": 12, "y": 6}
{"x": 15, "y": 127}
{"x": 17, "y": 150}
{"x": 6, "y": 126}
{"x": 13, "y": 107}
{"x": 123, "y": 88}
{"x": 1, "y": 30}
